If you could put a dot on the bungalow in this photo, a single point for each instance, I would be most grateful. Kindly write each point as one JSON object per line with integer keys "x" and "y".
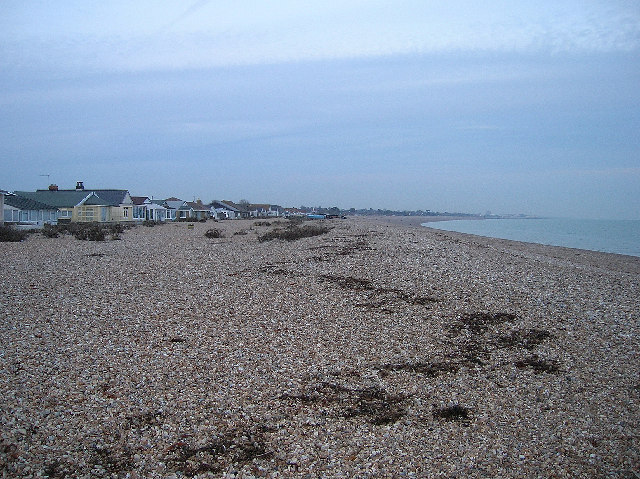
{"x": 2, "y": 193}
{"x": 229, "y": 210}
{"x": 82, "y": 205}
{"x": 145, "y": 209}
{"x": 293, "y": 212}
{"x": 258, "y": 211}
{"x": 262, "y": 211}
{"x": 24, "y": 211}
{"x": 173, "y": 206}
{"x": 199, "y": 211}
{"x": 185, "y": 212}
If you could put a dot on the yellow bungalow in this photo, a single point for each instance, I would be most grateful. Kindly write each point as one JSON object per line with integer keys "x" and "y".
{"x": 81, "y": 205}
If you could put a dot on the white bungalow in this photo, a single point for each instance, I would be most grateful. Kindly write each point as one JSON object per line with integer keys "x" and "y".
{"x": 145, "y": 209}
{"x": 25, "y": 212}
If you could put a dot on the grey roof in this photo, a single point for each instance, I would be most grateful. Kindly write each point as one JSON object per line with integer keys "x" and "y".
{"x": 71, "y": 198}
{"x": 173, "y": 204}
{"x": 230, "y": 205}
{"x": 23, "y": 203}
{"x": 112, "y": 197}
{"x": 59, "y": 199}
{"x": 198, "y": 206}
{"x": 95, "y": 200}
{"x": 139, "y": 200}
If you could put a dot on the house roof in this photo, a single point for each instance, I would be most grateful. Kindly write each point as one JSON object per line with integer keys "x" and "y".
{"x": 230, "y": 205}
{"x": 59, "y": 199}
{"x": 155, "y": 206}
{"x": 112, "y": 197}
{"x": 94, "y": 200}
{"x": 23, "y": 203}
{"x": 71, "y": 198}
{"x": 197, "y": 206}
{"x": 139, "y": 200}
{"x": 258, "y": 206}
{"x": 172, "y": 204}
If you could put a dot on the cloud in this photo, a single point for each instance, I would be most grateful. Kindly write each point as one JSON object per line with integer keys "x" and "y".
{"x": 184, "y": 15}
{"x": 139, "y": 36}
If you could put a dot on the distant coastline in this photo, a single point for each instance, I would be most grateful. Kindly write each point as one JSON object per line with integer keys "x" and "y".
{"x": 419, "y": 220}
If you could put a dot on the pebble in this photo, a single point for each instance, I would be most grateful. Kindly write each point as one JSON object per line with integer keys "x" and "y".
{"x": 373, "y": 350}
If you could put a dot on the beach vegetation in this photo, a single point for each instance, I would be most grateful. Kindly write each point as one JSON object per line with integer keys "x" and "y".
{"x": 50, "y": 231}
{"x": 86, "y": 231}
{"x": 9, "y": 234}
{"x": 92, "y": 232}
{"x": 538, "y": 365}
{"x": 294, "y": 232}
{"x": 528, "y": 338}
{"x": 452, "y": 413}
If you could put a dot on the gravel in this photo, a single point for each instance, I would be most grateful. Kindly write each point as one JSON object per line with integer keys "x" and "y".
{"x": 373, "y": 350}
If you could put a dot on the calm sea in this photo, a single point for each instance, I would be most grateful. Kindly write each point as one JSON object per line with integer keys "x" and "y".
{"x": 611, "y": 236}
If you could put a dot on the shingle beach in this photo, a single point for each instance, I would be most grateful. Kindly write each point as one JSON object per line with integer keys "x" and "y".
{"x": 374, "y": 350}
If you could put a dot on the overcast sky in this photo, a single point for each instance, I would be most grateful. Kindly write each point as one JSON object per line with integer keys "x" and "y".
{"x": 503, "y": 106}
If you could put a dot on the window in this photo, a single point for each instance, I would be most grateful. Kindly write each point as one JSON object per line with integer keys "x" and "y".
{"x": 125, "y": 212}
{"x": 86, "y": 213}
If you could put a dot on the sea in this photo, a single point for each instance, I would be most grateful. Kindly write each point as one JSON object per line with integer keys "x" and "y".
{"x": 610, "y": 236}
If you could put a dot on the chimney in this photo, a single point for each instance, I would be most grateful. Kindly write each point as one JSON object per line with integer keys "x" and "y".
{"x": 79, "y": 186}
{"x": 53, "y": 187}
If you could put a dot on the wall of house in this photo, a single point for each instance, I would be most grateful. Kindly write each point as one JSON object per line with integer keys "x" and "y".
{"x": 121, "y": 213}
{"x": 65, "y": 214}
{"x": 11, "y": 214}
{"x": 34, "y": 218}
{"x": 86, "y": 214}
{"x": 139, "y": 212}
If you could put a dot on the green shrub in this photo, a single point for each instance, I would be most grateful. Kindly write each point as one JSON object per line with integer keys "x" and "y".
{"x": 90, "y": 232}
{"x": 50, "y": 231}
{"x": 293, "y": 233}
{"x": 9, "y": 234}
{"x": 116, "y": 228}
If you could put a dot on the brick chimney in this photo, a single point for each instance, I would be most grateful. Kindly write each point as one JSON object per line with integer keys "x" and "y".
{"x": 53, "y": 187}
{"x": 79, "y": 186}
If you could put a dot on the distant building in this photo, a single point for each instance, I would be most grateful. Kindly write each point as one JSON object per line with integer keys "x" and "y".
{"x": 18, "y": 210}
{"x": 2, "y": 193}
{"x": 85, "y": 205}
{"x": 145, "y": 209}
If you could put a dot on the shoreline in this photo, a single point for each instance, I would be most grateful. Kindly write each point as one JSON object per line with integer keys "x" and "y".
{"x": 373, "y": 349}
{"x": 413, "y": 222}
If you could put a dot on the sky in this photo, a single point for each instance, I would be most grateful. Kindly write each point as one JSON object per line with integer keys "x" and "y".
{"x": 511, "y": 107}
